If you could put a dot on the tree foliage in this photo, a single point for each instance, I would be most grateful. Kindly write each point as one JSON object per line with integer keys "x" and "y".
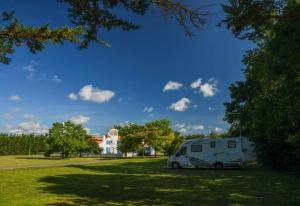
{"x": 158, "y": 134}
{"x": 68, "y": 138}
{"x": 89, "y": 17}
{"x": 267, "y": 103}
{"x": 12, "y": 144}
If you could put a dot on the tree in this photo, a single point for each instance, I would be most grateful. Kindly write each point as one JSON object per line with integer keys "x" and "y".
{"x": 89, "y": 17}
{"x": 267, "y": 103}
{"x": 68, "y": 138}
{"x": 159, "y": 134}
{"x": 171, "y": 148}
{"x": 132, "y": 136}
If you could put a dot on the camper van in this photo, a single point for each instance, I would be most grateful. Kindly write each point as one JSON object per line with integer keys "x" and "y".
{"x": 210, "y": 152}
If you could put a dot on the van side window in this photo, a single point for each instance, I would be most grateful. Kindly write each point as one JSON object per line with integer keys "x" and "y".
{"x": 196, "y": 148}
{"x": 231, "y": 144}
{"x": 212, "y": 144}
{"x": 182, "y": 151}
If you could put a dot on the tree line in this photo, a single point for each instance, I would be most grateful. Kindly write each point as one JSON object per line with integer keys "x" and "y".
{"x": 12, "y": 144}
{"x": 267, "y": 103}
{"x": 68, "y": 139}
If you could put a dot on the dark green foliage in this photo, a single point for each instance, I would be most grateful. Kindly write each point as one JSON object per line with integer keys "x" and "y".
{"x": 14, "y": 34}
{"x": 267, "y": 103}
{"x": 158, "y": 134}
{"x": 68, "y": 138}
{"x": 11, "y": 144}
{"x": 93, "y": 15}
{"x": 89, "y": 17}
{"x": 172, "y": 147}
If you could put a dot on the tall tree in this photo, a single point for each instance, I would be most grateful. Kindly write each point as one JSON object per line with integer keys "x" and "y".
{"x": 68, "y": 138}
{"x": 159, "y": 134}
{"x": 267, "y": 103}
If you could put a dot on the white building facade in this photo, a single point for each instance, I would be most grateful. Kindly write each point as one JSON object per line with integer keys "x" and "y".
{"x": 110, "y": 142}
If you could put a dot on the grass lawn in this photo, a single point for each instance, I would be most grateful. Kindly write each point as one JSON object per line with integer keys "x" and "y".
{"x": 145, "y": 182}
{"x": 17, "y": 161}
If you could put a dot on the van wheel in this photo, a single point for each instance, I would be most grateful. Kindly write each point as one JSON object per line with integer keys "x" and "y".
{"x": 219, "y": 165}
{"x": 175, "y": 165}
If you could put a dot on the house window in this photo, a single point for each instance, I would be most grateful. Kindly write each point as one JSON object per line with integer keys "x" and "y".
{"x": 107, "y": 149}
{"x": 212, "y": 144}
{"x": 196, "y": 148}
{"x": 231, "y": 144}
{"x": 108, "y": 142}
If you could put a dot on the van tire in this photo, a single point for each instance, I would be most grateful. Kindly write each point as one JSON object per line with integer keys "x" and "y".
{"x": 175, "y": 165}
{"x": 218, "y": 165}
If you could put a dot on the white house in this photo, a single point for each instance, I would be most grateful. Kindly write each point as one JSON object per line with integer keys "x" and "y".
{"x": 110, "y": 141}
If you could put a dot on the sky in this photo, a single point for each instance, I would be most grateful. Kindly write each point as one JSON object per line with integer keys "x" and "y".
{"x": 156, "y": 72}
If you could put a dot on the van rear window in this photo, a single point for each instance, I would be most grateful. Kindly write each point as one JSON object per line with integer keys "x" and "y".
{"x": 231, "y": 144}
{"x": 196, "y": 148}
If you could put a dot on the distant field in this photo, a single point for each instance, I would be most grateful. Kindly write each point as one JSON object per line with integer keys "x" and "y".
{"x": 20, "y": 161}
{"x": 141, "y": 182}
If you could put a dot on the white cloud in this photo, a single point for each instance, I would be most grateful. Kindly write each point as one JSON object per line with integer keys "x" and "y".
{"x": 218, "y": 130}
{"x": 172, "y": 86}
{"x": 72, "y": 96}
{"x": 211, "y": 109}
{"x": 196, "y": 83}
{"x": 208, "y": 89}
{"x": 181, "y": 105}
{"x": 185, "y": 129}
{"x": 79, "y": 119}
{"x": 148, "y": 109}
{"x": 198, "y": 127}
{"x": 26, "y": 128}
{"x": 30, "y": 117}
{"x": 88, "y": 130}
{"x": 30, "y": 69}
{"x": 56, "y": 79}
{"x": 14, "y": 98}
{"x": 8, "y": 116}
{"x": 91, "y": 94}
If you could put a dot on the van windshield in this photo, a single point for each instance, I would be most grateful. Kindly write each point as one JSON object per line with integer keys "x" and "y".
{"x": 182, "y": 151}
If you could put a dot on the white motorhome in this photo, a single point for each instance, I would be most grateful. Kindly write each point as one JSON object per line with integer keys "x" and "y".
{"x": 211, "y": 152}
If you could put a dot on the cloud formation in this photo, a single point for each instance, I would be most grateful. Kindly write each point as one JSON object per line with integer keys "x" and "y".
{"x": 72, "y": 96}
{"x": 186, "y": 129}
{"x": 15, "y": 98}
{"x": 30, "y": 117}
{"x": 148, "y": 109}
{"x": 26, "y": 128}
{"x": 30, "y": 70}
{"x": 218, "y": 129}
{"x": 56, "y": 79}
{"x": 172, "y": 86}
{"x": 208, "y": 89}
{"x": 92, "y": 94}
{"x": 181, "y": 105}
{"x": 79, "y": 119}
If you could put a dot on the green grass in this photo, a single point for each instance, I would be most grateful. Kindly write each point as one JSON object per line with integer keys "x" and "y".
{"x": 146, "y": 182}
{"x": 39, "y": 160}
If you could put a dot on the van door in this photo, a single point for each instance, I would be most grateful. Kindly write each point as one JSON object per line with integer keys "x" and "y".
{"x": 181, "y": 157}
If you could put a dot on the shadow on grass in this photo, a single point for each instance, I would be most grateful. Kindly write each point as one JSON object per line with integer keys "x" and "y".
{"x": 150, "y": 183}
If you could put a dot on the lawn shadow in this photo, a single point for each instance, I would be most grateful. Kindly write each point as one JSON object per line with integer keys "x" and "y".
{"x": 150, "y": 183}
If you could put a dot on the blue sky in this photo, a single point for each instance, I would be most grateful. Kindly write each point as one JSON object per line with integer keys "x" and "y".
{"x": 119, "y": 84}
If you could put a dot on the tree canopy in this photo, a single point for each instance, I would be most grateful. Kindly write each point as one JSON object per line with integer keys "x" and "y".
{"x": 87, "y": 19}
{"x": 68, "y": 138}
{"x": 267, "y": 103}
